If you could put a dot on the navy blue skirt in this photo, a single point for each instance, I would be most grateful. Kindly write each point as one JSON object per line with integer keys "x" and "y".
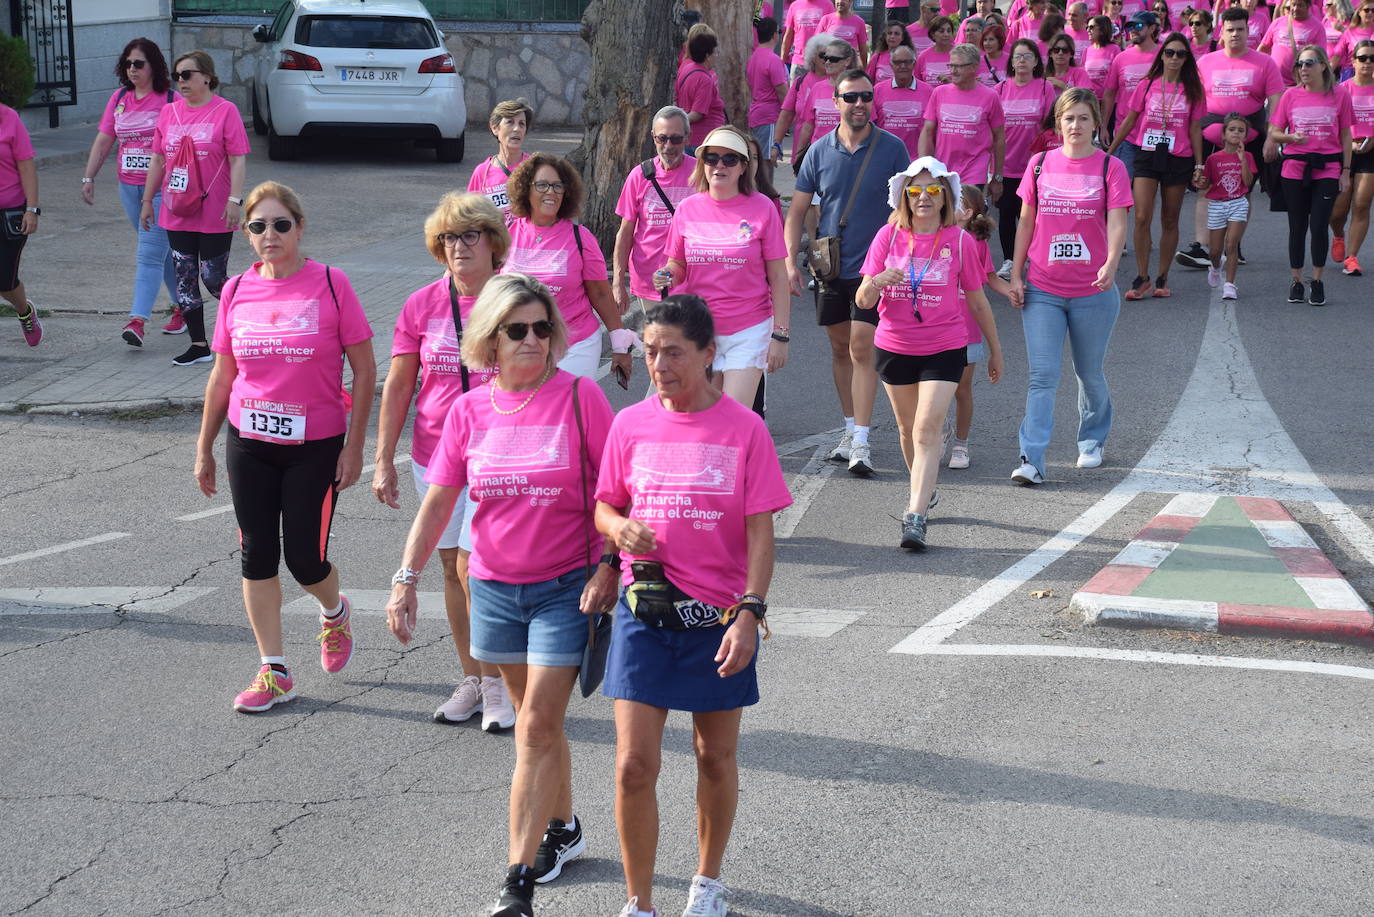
{"x": 674, "y": 669}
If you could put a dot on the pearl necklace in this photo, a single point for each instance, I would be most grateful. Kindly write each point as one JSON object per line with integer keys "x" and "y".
{"x": 524, "y": 404}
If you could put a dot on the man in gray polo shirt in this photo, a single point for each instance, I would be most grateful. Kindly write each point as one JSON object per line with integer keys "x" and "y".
{"x": 831, "y": 165}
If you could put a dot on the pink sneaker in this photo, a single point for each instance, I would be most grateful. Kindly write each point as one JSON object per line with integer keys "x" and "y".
{"x": 33, "y": 328}
{"x": 268, "y": 689}
{"x": 336, "y": 640}
{"x": 176, "y": 324}
{"x": 133, "y": 332}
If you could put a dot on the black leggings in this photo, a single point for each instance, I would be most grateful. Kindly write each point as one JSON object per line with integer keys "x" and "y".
{"x": 1008, "y": 212}
{"x": 1309, "y": 210}
{"x": 10, "y": 250}
{"x": 283, "y": 494}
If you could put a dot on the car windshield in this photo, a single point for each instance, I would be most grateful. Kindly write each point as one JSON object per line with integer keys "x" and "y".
{"x": 382, "y": 32}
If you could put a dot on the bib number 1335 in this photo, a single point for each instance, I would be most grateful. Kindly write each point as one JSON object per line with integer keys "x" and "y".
{"x": 272, "y": 421}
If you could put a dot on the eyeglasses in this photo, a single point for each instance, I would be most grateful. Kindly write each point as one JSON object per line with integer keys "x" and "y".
{"x": 469, "y": 238}
{"x": 1023, "y": 55}
{"x": 544, "y": 187}
{"x": 1175, "y": 52}
{"x": 729, "y": 160}
{"x": 1364, "y": 58}
{"x": 834, "y": 60}
{"x": 961, "y": 64}
{"x": 184, "y": 75}
{"x": 281, "y": 224}
{"x": 930, "y": 190}
{"x": 861, "y": 95}
{"x": 135, "y": 64}
{"x": 668, "y": 139}
{"x": 903, "y": 63}
{"x": 516, "y": 331}
{"x": 1309, "y": 62}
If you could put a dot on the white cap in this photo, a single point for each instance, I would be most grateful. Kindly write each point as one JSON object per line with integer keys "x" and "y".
{"x": 724, "y": 139}
{"x": 924, "y": 164}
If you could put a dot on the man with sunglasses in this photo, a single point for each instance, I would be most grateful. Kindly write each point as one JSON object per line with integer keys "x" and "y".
{"x": 1128, "y": 69}
{"x": 855, "y": 160}
{"x": 965, "y": 125}
{"x": 920, "y": 30}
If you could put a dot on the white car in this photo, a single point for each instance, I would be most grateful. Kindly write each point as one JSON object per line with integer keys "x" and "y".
{"x": 362, "y": 68}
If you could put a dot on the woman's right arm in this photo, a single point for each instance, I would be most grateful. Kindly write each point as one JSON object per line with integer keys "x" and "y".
{"x": 100, "y": 148}
{"x": 212, "y": 418}
{"x": 151, "y": 185}
{"x": 397, "y": 393}
{"x": 424, "y": 536}
{"x": 623, "y": 533}
{"x": 1123, "y": 131}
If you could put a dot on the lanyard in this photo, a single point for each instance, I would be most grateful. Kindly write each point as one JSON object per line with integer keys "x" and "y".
{"x": 914, "y": 280}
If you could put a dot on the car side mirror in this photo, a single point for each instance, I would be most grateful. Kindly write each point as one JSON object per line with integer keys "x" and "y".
{"x": 263, "y": 32}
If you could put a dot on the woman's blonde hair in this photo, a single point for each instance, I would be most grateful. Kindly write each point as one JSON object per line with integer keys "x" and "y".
{"x": 903, "y": 215}
{"x": 746, "y": 178}
{"x": 1078, "y": 95}
{"x": 459, "y": 211}
{"x": 276, "y": 191}
{"x": 502, "y": 295}
{"x": 204, "y": 63}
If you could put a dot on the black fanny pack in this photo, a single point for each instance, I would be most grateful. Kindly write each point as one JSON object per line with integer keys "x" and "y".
{"x": 657, "y": 603}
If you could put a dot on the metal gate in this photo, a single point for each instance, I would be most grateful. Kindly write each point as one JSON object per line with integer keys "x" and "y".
{"x": 46, "y": 27}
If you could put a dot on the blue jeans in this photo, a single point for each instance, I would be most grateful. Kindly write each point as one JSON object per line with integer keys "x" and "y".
{"x": 529, "y": 623}
{"x": 153, "y": 266}
{"x": 1088, "y": 321}
{"x": 1126, "y": 153}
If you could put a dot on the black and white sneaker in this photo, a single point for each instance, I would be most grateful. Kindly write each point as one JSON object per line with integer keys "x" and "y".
{"x": 1317, "y": 293}
{"x": 560, "y": 844}
{"x": 1295, "y": 292}
{"x": 196, "y": 353}
{"x": 517, "y": 893}
{"x": 1193, "y": 256}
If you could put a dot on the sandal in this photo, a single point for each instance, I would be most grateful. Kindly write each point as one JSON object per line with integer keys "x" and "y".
{"x": 1140, "y": 288}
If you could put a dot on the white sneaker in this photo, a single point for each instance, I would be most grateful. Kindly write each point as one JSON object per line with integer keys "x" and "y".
{"x": 465, "y": 702}
{"x": 841, "y": 451}
{"x": 1005, "y": 270}
{"x": 958, "y": 456}
{"x": 631, "y": 909}
{"x": 497, "y": 711}
{"x": 946, "y": 437}
{"x": 1027, "y": 474}
{"x": 706, "y": 898}
{"x": 1228, "y": 291}
{"x": 1213, "y": 277}
{"x": 1090, "y": 459}
{"x": 860, "y": 459}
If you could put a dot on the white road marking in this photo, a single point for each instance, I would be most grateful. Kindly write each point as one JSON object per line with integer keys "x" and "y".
{"x": 1185, "y": 614}
{"x": 402, "y": 463}
{"x": 810, "y": 442}
{"x": 98, "y": 599}
{"x": 1283, "y": 533}
{"x": 59, "y": 548}
{"x": 805, "y": 486}
{"x": 1329, "y": 592}
{"x": 1197, "y": 505}
{"x": 1145, "y": 553}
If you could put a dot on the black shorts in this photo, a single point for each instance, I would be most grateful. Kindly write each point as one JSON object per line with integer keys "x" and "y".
{"x": 1167, "y": 169}
{"x": 907, "y": 369}
{"x": 835, "y": 303}
{"x": 1362, "y": 163}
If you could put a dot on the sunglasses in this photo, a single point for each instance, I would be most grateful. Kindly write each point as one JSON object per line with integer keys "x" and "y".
{"x": 1309, "y": 62}
{"x": 1175, "y": 53}
{"x": 668, "y": 139}
{"x": 833, "y": 60}
{"x": 930, "y": 190}
{"x": 1364, "y": 58}
{"x": 135, "y": 64}
{"x": 282, "y": 225}
{"x": 729, "y": 160}
{"x": 1134, "y": 26}
{"x": 862, "y": 95}
{"x": 184, "y": 75}
{"x": 468, "y": 237}
{"x": 1061, "y": 50}
{"x": 544, "y": 187}
{"x": 516, "y": 331}
{"x": 903, "y": 63}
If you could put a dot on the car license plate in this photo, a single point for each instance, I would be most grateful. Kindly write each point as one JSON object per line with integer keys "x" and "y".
{"x": 368, "y": 75}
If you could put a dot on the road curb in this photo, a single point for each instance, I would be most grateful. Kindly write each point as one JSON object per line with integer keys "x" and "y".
{"x": 101, "y": 407}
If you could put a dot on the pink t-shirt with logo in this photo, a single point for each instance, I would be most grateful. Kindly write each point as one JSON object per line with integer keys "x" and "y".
{"x": 1318, "y": 115}
{"x": 932, "y": 66}
{"x": 725, "y": 245}
{"x": 288, "y": 337}
{"x": 1164, "y": 117}
{"x": 697, "y": 90}
{"x": 992, "y": 71}
{"x": 1024, "y": 108}
{"x": 1082, "y": 41}
{"x": 532, "y": 521}
{"x": 489, "y": 179}
{"x": 1223, "y": 171}
{"x": 938, "y": 269}
{"x": 880, "y": 67}
{"x": 1361, "y": 109}
{"x": 963, "y": 128}
{"x": 797, "y": 91}
{"x": 765, "y": 72}
{"x": 216, "y": 129}
{"x": 1069, "y": 241}
{"x": 550, "y": 255}
{"x": 425, "y": 327}
{"x": 1256, "y": 26}
{"x": 694, "y": 478}
{"x": 640, "y": 203}
{"x": 971, "y": 326}
{"x": 1345, "y": 48}
{"x": 803, "y": 17}
{"x": 817, "y": 107}
{"x": 920, "y": 38}
{"x": 1097, "y": 62}
{"x": 15, "y": 147}
{"x": 131, "y": 121}
{"x": 901, "y": 111}
{"x": 1128, "y": 69}
{"x": 851, "y": 28}
{"x": 1283, "y": 48}
{"x": 1240, "y": 84}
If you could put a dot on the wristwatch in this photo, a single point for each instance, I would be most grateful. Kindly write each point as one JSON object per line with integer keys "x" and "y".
{"x": 36, "y": 211}
{"x": 236, "y": 200}
{"x": 405, "y": 577}
{"x": 611, "y": 559}
{"x": 996, "y": 178}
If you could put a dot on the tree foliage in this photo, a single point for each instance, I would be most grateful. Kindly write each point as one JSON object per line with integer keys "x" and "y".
{"x": 16, "y": 72}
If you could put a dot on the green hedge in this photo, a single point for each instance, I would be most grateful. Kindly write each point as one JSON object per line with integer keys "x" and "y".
{"x": 16, "y": 72}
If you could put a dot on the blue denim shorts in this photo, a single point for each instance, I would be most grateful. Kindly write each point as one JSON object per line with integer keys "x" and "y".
{"x": 529, "y": 623}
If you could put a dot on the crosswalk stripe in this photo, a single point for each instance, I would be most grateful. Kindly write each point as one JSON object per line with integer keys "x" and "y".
{"x": 98, "y": 599}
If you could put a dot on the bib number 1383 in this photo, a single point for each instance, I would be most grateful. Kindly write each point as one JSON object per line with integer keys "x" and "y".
{"x": 272, "y": 421}
{"x": 1068, "y": 247}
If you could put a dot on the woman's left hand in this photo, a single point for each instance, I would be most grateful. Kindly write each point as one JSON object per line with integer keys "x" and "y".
{"x": 30, "y": 223}
{"x": 232, "y": 213}
{"x": 623, "y": 362}
{"x": 777, "y": 355}
{"x": 1343, "y": 183}
{"x": 739, "y": 644}
{"x": 348, "y": 469}
{"x": 1106, "y": 275}
{"x": 995, "y": 367}
{"x": 600, "y": 593}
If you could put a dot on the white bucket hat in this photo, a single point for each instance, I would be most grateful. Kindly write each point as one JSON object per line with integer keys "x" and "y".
{"x": 924, "y": 164}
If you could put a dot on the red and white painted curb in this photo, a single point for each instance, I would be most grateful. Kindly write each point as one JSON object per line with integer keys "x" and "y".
{"x": 1340, "y": 613}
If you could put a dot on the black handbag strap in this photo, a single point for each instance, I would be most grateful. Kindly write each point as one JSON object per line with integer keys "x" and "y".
{"x": 858, "y": 179}
{"x": 647, "y": 168}
{"x": 458, "y": 327}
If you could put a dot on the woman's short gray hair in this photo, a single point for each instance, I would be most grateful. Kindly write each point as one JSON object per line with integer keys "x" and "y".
{"x": 672, "y": 111}
{"x": 814, "y": 46}
{"x": 501, "y": 296}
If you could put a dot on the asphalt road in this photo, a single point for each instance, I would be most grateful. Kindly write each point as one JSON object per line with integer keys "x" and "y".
{"x": 1012, "y": 761}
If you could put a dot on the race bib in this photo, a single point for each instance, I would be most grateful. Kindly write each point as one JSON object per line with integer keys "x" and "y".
{"x": 280, "y": 422}
{"x": 178, "y": 179}
{"x": 1068, "y": 247}
{"x": 135, "y": 160}
{"x": 500, "y": 199}
{"x": 1152, "y": 139}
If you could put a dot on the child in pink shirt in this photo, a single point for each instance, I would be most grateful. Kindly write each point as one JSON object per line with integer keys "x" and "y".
{"x": 1230, "y": 172}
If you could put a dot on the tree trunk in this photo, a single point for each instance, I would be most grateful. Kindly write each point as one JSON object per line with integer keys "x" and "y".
{"x": 634, "y": 45}
{"x": 733, "y": 23}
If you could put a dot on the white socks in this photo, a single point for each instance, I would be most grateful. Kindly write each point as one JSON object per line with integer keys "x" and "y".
{"x": 334, "y": 612}
{"x": 861, "y": 436}
{"x": 849, "y": 425}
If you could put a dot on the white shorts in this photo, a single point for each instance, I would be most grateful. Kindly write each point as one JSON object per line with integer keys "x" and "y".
{"x": 747, "y": 349}
{"x": 458, "y": 532}
{"x": 583, "y": 358}
{"x": 1219, "y": 213}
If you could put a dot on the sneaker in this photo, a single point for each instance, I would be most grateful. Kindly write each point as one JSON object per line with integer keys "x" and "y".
{"x": 811, "y": 284}
{"x": 631, "y": 909}
{"x": 1005, "y": 270}
{"x": 914, "y": 532}
{"x": 133, "y": 332}
{"x": 497, "y": 711}
{"x": 336, "y": 639}
{"x": 1228, "y": 291}
{"x": 1090, "y": 459}
{"x": 31, "y": 326}
{"x": 1352, "y": 267}
{"x": 958, "y": 456}
{"x": 841, "y": 451}
{"x": 196, "y": 353}
{"x": 946, "y": 437}
{"x": 1193, "y": 256}
{"x": 1338, "y": 248}
{"x": 1317, "y": 293}
{"x": 706, "y": 898}
{"x": 176, "y": 324}
{"x": 517, "y": 893}
{"x": 1213, "y": 277}
{"x": 1140, "y": 288}
{"x": 1240, "y": 256}
{"x": 1295, "y": 292}
{"x": 1162, "y": 288}
{"x": 558, "y": 847}
{"x": 860, "y": 459}
{"x": 465, "y": 702}
{"x": 1027, "y": 474}
{"x": 268, "y": 689}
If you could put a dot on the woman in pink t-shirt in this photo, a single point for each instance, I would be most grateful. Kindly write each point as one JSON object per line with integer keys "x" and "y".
{"x": 816, "y": 111}
{"x": 285, "y": 327}
{"x": 466, "y": 234}
{"x": 1355, "y": 201}
{"x": 527, "y": 445}
{"x": 892, "y": 37}
{"x": 199, "y": 236}
{"x": 687, "y": 491}
{"x": 817, "y": 70}
{"x": 844, "y": 24}
{"x": 510, "y": 122}
{"x": 548, "y": 244}
{"x": 726, "y": 246}
{"x": 1027, "y": 98}
{"x": 127, "y": 127}
{"x": 1061, "y": 64}
{"x": 19, "y": 200}
{"x": 994, "y": 56}
{"x": 697, "y": 90}
{"x": 932, "y": 64}
{"x": 923, "y": 273}
{"x": 1097, "y": 60}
